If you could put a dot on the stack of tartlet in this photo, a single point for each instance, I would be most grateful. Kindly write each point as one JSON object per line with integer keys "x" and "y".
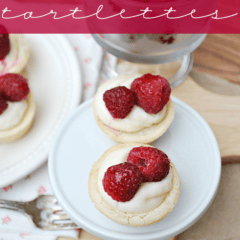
{"x": 134, "y": 183}
{"x": 17, "y": 106}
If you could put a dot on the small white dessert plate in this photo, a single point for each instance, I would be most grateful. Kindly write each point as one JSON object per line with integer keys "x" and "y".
{"x": 189, "y": 143}
{"x": 55, "y": 81}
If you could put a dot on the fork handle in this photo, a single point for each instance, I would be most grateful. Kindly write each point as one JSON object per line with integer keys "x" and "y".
{"x": 11, "y": 205}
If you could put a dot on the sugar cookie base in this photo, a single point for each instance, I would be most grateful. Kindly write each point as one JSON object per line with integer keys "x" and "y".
{"x": 132, "y": 219}
{"x": 23, "y": 127}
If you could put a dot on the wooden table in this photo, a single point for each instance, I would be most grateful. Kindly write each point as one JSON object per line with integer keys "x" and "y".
{"x": 213, "y": 89}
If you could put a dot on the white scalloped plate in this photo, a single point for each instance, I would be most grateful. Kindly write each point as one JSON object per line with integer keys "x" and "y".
{"x": 54, "y": 78}
{"x": 189, "y": 143}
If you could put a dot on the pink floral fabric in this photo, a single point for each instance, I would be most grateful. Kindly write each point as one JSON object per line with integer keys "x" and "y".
{"x": 13, "y": 225}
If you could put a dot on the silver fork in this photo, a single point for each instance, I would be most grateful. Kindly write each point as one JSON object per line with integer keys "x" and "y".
{"x": 43, "y": 212}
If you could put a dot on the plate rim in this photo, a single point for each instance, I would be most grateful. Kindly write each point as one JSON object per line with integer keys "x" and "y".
{"x": 22, "y": 169}
{"x": 106, "y": 234}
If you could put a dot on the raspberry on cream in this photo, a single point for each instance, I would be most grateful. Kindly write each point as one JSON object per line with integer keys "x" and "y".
{"x": 152, "y": 92}
{"x": 3, "y": 105}
{"x": 136, "y": 120}
{"x": 17, "y": 107}
{"x": 148, "y": 196}
{"x": 122, "y": 181}
{"x": 119, "y": 101}
{"x": 4, "y": 42}
{"x": 13, "y": 91}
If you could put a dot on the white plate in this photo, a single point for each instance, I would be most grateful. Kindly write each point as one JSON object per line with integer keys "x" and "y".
{"x": 54, "y": 78}
{"x": 189, "y": 143}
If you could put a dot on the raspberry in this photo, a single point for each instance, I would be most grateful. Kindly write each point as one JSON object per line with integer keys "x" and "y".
{"x": 13, "y": 87}
{"x": 152, "y": 92}
{"x": 153, "y": 163}
{"x": 122, "y": 181}
{"x": 3, "y": 105}
{"x": 119, "y": 101}
{"x": 4, "y": 42}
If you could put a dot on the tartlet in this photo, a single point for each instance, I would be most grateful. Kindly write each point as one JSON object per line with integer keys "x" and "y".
{"x": 18, "y": 110}
{"x": 134, "y": 219}
{"x": 17, "y": 58}
{"x": 147, "y": 134}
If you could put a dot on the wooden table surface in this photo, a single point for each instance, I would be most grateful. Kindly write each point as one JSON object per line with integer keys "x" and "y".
{"x": 213, "y": 89}
{"x": 219, "y": 55}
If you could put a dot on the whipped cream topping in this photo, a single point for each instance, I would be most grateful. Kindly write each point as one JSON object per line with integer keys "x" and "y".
{"x": 148, "y": 196}
{"x": 136, "y": 120}
{"x": 13, "y": 114}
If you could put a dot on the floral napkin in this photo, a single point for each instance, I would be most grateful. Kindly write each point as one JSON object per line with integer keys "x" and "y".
{"x": 14, "y": 225}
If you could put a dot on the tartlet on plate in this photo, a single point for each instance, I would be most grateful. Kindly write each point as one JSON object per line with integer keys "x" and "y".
{"x": 167, "y": 202}
{"x": 124, "y": 134}
{"x": 17, "y": 108}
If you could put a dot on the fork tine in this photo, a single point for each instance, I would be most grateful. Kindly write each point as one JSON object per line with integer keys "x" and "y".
{"x": 56, "y": 217}
{"x": 42, "y": 212}
{"x": 49, "y": 197}
{"x": 61, "y": 226}
{"x": 56, "y": 208}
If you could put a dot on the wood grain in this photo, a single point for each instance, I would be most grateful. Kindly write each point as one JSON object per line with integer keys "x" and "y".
{"x": 230, "y": 160}
{"x": 221, "y": 112}
{"x": 87, "y": 236}
{"x": 219, "y": 55}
